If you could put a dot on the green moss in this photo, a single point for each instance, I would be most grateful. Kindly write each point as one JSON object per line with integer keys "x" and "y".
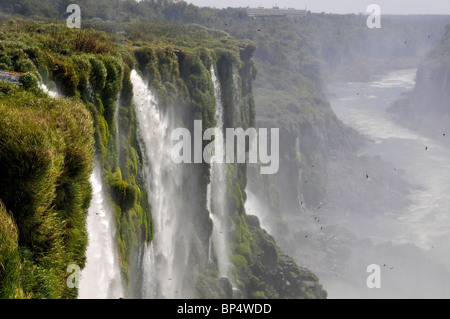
{"x": 6, "y": 63}
{"x": 245, "y": 251}
{"x": 24, "y": 66}
{"x": 47, "y": 148}
{"x": 29, "y": 81}
{"x": 7, "y": 88}
{"x": 97, "y": 76}
{"x": 65, "y": 76}
{"x": 10, "y": 259}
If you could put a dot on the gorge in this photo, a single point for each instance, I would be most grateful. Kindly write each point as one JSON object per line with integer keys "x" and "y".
{"x": 88, "y": 177}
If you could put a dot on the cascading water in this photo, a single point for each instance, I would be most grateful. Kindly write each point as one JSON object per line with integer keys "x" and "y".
{"x": 44, "y": 88}
{"x": 166, "y": 258}
{"x": 216, "y": 195}
{"x": 101, "y": 278}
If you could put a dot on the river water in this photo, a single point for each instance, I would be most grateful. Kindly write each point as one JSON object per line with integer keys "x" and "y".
{"x": 424, "y": 162}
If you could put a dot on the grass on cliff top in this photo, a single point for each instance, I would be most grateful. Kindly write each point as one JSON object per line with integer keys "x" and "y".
{"x": 46, "y": 150}
{"x": 101, "y": 37}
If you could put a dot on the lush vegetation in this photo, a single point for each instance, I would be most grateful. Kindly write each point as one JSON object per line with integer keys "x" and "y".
{"x": 42, "y": 217}
{"x": 46, "y": 150}
{"x": 45, "y": 189}
{"x": 89, "y": 73}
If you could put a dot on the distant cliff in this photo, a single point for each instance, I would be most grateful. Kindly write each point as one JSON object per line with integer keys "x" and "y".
{"x": 432, "y": 92}
{"x": 427, "y": 107}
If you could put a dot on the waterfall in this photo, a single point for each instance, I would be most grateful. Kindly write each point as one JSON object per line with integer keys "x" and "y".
{"x": 101, "y": 278}
{"x": 44, "y": 88}
{"x": 300, "y": 198}
{"x": 165, "y": 259}
{"x": 216, "y": 195}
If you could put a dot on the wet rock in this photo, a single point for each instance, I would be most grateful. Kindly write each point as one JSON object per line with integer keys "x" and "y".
{"x": 10, "y": 76}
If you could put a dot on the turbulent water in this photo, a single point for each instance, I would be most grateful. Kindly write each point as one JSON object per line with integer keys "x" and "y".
{"x": 164, "y": 260}
{"x": 161, "y": 270}
{"x": 426, "y": 162}
{"x": 44, "y": 88}
{"x": 412, "y": 242}
{"x": 216, "y": 196}
{"x": 101, "y": 278}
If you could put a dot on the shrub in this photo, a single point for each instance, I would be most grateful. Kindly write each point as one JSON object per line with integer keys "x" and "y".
{"x": 6, "y": 63}
{"x": 98, "y": 74}
{"x": 29, "y": 81}
{"x": 90, "y": 43}
{"x": 24, "y": 66}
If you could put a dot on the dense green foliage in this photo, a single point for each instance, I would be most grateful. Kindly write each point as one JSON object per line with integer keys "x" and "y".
{"x": 44, "y": 219}
{"x": 294, "y": 57}
{"x": 83, "y": 66}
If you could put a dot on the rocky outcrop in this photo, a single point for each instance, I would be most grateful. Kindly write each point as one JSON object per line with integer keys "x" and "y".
{"x": 427, "y": 107}
{"x": 280, "y": 276}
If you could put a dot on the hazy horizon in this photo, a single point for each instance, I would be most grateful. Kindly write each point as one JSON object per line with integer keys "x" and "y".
{"x": 401, "y": 7}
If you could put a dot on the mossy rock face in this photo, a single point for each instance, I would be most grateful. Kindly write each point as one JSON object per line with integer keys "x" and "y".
{"x": 278, "y": 276}
{"x": 124, "y": 194}
{"x": 253, "y": 221}
{"x": 10, "y": 260}
{"x": 46, "y": 152}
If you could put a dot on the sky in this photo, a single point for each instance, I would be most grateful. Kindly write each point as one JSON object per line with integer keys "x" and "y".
{"x": 339, "y": 6}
